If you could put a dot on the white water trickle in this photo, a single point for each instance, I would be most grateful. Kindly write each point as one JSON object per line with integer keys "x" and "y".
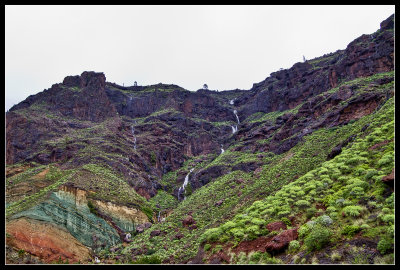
{"x": 134, "y": 137}
{"x": 237, "y": 117}
{"x": 222, "y": 150}
{"x": 158, "y": 218}
{"x": 234, "y": 129}
{"x": 231, "y": 101}
{"x": 182, "y": 188}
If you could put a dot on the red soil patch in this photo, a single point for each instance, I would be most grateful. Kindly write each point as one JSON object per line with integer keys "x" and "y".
{"x": 253, "y": 245}
{"x": 379, "y": 144}
{"x": 42, "y": 174}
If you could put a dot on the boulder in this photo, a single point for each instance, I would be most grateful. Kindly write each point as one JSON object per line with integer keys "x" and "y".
{"x": 188, "y": 221}
{"x": 179, "y": 236}
{"x": 219, "y": 202}
{"x": 279, "y": 242}
{"x": 389, "y": 179}
{"x": 155, "y": 233}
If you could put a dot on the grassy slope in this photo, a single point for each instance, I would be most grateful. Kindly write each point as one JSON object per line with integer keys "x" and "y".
{"x": 349, "y": 186}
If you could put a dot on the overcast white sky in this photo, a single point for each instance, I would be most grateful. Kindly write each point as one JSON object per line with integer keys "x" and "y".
{"x": 226, "y": 47}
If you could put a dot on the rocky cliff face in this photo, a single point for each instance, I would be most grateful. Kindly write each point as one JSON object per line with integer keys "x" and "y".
{"x": 285, "y": 89}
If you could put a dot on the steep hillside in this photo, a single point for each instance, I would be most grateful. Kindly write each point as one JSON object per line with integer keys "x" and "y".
{"x": 298, "y": 169}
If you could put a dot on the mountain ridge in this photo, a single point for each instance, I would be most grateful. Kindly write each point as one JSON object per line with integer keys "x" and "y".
{"x": 155, "y": 149}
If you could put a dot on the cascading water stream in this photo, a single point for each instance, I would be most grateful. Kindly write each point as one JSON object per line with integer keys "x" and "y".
{"x": 222, "y": 150}
{"x": 182, "y": 188}
{"x": 134, "y": 137}
{"x": 237, "y": 117}
{"x": 234, "y": 129}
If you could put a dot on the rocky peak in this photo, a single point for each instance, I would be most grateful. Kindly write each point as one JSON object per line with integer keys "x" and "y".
{"x": 93, "y": 79}
{"x": 388, "y": 23}
{"x": 72, "y": 81}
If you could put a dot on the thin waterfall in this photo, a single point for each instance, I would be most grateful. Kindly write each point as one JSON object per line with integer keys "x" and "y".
{"x": 234, "y": 129}
{"x": 222, "y": 150}
{"x": 237, "y": 117}
{"x": 182, "y": 188}
{"x": 232, "y": 101}
{"x": 134, "y": 137}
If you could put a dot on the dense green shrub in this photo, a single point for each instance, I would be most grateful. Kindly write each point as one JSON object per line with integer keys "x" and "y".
{"x": 311, "y": 212}
{"x": 212, "y": 234}
{"x": 255, "y": 257}
{"x": 318, "y": 238}
{"x": 352, "y": 210}
{"x": 386, "y": 160}
{"x": 294, "y": 245}
{"x": 390, "y": 200}
{"x": 148, "y": 260}
{"x": 324, "y": 220}
{"x": 384, "y": 244}
{"x": 357, "y": 192}
{"x": 237, "y": 233}
{"x": 302, "y": 204}
{"x": 304, "y": 230}
{"x": 370, "y": 173}
{"x": 228, "y": 226}
{"x": 388, "y": 218}
{"x": 286, "y": 221}
{"x": 331, "y": 209}
{"x": 350, "y": 230}
{"x": 258, "y": 221}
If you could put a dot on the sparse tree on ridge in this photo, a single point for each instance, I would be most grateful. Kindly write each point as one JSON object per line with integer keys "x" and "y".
{"x": 205, "y": 86}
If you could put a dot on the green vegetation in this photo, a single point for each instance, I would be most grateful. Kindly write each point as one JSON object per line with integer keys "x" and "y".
{"x": 341, "y": 197}
{"x": 331, "y": 202}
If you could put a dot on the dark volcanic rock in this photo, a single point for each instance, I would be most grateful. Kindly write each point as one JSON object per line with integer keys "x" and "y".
{"x": 281, "y": 241}
{"x": 286, "y": 88}
{"x": 155, "y": 233}
{"x": 389, "y": 179}
{"x": 186, "y": 222}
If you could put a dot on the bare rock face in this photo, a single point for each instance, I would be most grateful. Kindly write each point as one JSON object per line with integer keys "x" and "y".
{"x": 281, "y": 241}
{"x": 83, "y": 97}
{"x": 46, "y": 241}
